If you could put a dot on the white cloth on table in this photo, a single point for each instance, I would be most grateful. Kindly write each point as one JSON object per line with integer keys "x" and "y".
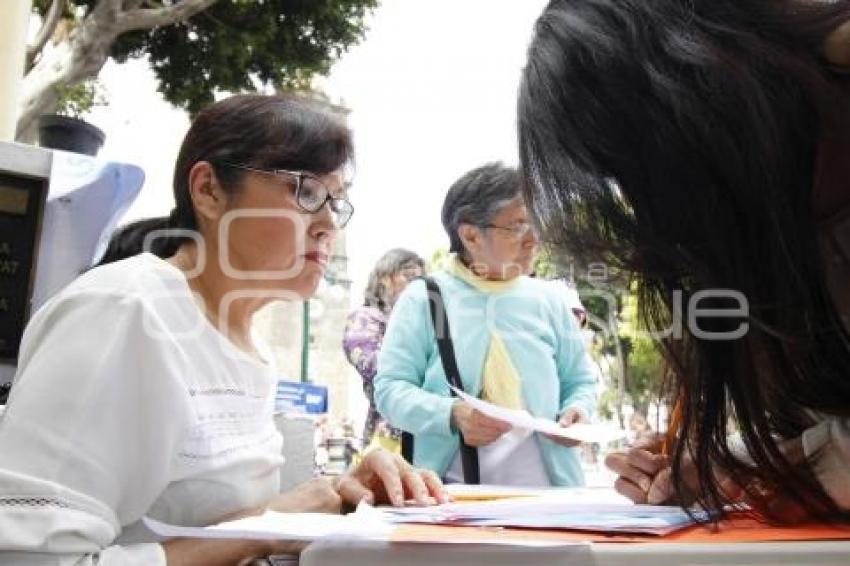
{"x": 128, "y": 402}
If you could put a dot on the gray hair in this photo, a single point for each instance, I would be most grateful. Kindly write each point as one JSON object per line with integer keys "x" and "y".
{"x": 388, "y": 265}
{"x": 477, "y": 197}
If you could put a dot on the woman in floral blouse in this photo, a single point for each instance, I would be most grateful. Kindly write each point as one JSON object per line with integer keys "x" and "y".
{"x": 365, "y": 328}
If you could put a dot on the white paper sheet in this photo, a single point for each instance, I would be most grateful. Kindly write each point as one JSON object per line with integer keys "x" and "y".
{"x": 583, "y": 432}
{"x": 366, "y": 524}
{"x": 284, "y": 526}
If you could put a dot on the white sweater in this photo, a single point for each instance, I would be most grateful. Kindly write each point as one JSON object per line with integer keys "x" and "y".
{"x": 128, "y": 402}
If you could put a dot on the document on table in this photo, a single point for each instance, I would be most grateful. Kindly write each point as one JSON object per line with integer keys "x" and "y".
{"x": 284, "y": 526}
{"x": 368, "y": 523}
{"x": 583, "y": 432}
{"x": 550, "y": 511}
{"x": 490, "y": 492}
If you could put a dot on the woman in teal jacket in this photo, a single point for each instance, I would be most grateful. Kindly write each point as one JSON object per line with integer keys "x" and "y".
{"x": 516, "y": 342}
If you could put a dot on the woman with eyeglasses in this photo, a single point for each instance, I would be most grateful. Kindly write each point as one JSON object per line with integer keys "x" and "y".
{"x": 140, "y": 391}
{"x": 515, "y": 341}
{"x": 702, "y": 147}
{"x": 364, "y": 332}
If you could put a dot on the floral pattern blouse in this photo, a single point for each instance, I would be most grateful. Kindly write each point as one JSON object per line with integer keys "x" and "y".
{"x": 364, "y": 332}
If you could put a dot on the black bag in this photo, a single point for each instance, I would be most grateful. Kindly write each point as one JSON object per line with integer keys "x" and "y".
{"x": 468, "y": 454}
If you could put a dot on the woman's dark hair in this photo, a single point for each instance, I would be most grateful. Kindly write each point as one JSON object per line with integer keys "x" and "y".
{"x": 265, "y": 132}
{"x": 676, "y": 140}
{"x": 477, "y": 197}
{"x": 389, "y": 265}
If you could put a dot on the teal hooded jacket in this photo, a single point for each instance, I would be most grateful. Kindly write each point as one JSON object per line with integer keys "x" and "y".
{"x": 544, "y": 343}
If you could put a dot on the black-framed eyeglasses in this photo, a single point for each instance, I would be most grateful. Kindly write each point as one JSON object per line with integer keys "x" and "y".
{"x": 311, "y": 194}
{"x": 516, "y": 231}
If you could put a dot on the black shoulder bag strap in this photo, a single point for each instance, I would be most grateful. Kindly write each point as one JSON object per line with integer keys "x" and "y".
{"x": 468, "y": 454}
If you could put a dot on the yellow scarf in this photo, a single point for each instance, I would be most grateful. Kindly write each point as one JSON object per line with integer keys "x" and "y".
{"x": 500, "y": 381}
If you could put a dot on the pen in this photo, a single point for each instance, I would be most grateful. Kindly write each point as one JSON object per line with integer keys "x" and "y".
{"x": 672, "y": 427}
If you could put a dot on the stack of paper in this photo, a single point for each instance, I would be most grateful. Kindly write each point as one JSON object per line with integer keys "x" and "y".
{"x": 565, "y": 509}
{"x": 548, "y": 513}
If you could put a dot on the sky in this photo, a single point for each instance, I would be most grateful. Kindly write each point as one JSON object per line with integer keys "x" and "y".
{"x": 432, "y": 94}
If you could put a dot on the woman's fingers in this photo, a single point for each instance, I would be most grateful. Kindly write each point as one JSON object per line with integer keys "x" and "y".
{"x": 661, "y": 491}
{"x": 414, "y": 484}
{"x": 637, "y": 466}
{"x": 423, "y": 485}
{"x": 488, "y": 423}
{"x": 381, "y": 473}
{"x": 376, "y": 474}
{"x": 618, "y": 462}
{"x": 627, "y": 489}
{"x": 646, "y": 461}
{"x": 482, "y": 430}
{"x": 352, "y": 491}
{"x": 651, "y": 442}
{"x": 570, "y": 417}
{"x": 385, "y": 467}
{"x": 435, "y": 486}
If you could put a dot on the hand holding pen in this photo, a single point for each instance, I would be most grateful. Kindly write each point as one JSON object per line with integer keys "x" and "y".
{"x": 644, "y": 470}
{"x": 645, "y": 474}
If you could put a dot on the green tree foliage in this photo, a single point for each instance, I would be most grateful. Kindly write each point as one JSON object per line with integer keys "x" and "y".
{"x": 436, "y": 260}
{"x": 638, "y": 372}
{"x": 644, "y": 367}
{"x": 80, "y": 98}
{"x": 238, "y": 45}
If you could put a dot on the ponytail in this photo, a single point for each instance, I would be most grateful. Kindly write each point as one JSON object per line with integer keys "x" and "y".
{"x": 131, "y": 239}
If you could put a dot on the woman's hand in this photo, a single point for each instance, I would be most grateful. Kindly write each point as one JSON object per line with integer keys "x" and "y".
{"x": 644, "y": 473}
{"x": 570, "y": 417}
{"x": 477, "y": 428}
{"x": 382, "y": 477}
{"x": 314, "y": 496}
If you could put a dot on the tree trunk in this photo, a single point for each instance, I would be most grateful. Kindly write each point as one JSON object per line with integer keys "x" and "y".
{"x": 68, "y": 64}
{"x": 621, "y": 363}
{"x": 85, "y": 53}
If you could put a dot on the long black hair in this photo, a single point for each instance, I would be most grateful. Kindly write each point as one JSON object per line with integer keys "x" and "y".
{"x": 265, "y": 132}
{"x": 676, "y": 141}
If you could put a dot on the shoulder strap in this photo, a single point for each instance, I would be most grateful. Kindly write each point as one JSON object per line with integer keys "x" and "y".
{"x": 443, "y": 334}
{"x": 468, "y": 454}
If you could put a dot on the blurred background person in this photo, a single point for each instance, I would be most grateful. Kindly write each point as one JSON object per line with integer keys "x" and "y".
{"x": 516, "y": 344}
{"x": 364, "y": 332}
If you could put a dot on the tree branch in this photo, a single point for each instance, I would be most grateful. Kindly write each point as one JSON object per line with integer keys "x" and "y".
{"x": 132, "y": 4}
{"x": 51, "y": 20}
{"x": 154, "y": 17}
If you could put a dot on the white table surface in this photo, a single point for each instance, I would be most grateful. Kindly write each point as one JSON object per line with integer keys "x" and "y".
{"x": 374, "y": 553}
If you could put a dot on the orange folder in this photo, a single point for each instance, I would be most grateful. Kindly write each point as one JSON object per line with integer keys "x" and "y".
{"x": 735, "y": 529}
